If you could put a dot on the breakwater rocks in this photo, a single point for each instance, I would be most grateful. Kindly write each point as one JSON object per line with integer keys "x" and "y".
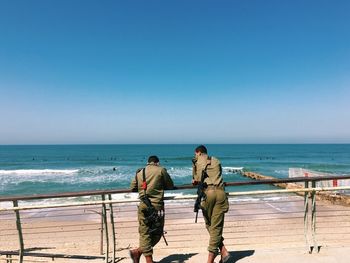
{"x": 329, "y": 196}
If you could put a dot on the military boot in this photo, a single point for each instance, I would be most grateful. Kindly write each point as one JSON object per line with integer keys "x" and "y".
{"x": 149, "y": 259}
{"x": 211, "y": 257}
{"x": 135, "y": 255}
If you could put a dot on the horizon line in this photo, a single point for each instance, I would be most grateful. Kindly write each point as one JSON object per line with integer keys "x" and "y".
{"x": 104, "y": 144}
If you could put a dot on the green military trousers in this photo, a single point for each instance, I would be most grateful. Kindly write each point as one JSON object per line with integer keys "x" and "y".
{"x": 214, "y": 206}
{"x": 147, "y": 240}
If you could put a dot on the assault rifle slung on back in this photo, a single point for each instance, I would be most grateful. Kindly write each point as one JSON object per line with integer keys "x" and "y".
{"x": 153, "y": 218}
{"x": 200, "y": 191}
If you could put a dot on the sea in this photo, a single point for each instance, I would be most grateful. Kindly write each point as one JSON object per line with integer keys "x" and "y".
{"x": 44, "y": 169}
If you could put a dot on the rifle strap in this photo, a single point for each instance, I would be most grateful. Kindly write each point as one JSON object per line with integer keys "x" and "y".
{"x": 144, "y": 183}
{"x": 205, "y": 169}
{"x": 144, "y": 187}
{"x": 208, "y": 163}
{"x": 138, "y": 170}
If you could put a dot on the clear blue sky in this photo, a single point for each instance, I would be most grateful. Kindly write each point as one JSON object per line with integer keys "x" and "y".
{"x": 174, "y": 71}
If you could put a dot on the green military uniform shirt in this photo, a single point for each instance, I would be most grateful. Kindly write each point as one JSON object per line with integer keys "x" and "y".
{"x": 157, "y": 179}
{"x": 214, "y": 170}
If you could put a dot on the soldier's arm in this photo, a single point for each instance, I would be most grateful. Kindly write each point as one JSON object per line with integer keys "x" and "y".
{"x": 168, "y": 182}
{"x": 194, "y": 168}
{"x": 194, "y": 172}
{"x": 218, "y": 163}
{"x": 133, "y": 185}
{"x": 197, "y": 172}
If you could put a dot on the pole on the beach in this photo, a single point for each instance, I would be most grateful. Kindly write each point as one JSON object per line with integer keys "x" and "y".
{"x": 313, "y": 216}
{"x": 306, "y": 217}
{"x": 104, "y": 215}
{"x": 19, "y": 230}
{"x": 101, "y": 236}
{"x": 113, "y": 228}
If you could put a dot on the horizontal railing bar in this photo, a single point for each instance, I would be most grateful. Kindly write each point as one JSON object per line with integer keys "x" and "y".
{"x": 237, "y": 229}
{"x": 31, "y": 254}
{"x": 235, "y": 224}
{"x": 315, "y": 189}
{"x": 234, "y": 209}
{"x": 63, "y": 239}
{"x": 52, "y": 232}
{"x": 133, "y": 208}
{"x": 57, "y": 226}
{"x": 61, "y": 231}
{"x": 53, "y": 216}
{"x": 182, "y": 187}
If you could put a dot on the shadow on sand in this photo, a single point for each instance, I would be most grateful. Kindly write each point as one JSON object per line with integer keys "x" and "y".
{"x": 181, "y": 258}
{"x": 237, "y": 255}
{"x": 176, "y": 258}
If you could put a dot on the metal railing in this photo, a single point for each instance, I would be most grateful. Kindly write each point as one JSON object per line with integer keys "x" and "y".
{"x": 104, "y": 214}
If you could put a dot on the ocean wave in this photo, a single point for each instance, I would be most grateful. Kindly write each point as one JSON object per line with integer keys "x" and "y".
{"x": 38, "y": 172}
{"x": 94, "y": 175}
{"x": 180, "y": 172}
{"x": 281, "y": 171}
{"x": 119, "y": 171}
{"x": 230, "y": 169}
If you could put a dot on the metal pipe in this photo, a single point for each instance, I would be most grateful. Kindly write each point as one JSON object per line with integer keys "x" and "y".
{"x": 20, "y": 234}
{"x": 104, "y": 215}
{"x": 306, "y": 217}
{"x": 313, "y": 217}
{"x": 113, "y": 228}
{"x": 122, "y": 191}
{"x": 316, "y": 189}
{"x": 101, "y": 236}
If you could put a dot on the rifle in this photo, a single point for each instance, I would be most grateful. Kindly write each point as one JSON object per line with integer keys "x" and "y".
{"x": 153, "y": 219}
{"x": 200, "y": 192}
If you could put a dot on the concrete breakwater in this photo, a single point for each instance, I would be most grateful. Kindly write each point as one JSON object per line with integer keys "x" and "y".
{"x": 330, "y": 196}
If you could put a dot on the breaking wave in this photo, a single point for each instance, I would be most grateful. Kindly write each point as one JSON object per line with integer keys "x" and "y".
{"x": 24, "y": 172}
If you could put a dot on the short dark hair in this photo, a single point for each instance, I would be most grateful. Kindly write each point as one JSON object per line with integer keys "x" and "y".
{"x": 153, "y": 159}
{"x": 201, "y": 149}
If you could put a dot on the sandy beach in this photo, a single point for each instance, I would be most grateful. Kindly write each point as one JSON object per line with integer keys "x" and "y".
{"x": 255, "y": 228}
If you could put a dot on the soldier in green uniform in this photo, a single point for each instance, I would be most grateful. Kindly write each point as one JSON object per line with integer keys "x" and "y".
{"x": 215, "y": 203}
{"x": 150, "y": 182}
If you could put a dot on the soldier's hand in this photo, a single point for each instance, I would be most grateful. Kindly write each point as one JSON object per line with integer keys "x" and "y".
{"x": 194, "y": 182}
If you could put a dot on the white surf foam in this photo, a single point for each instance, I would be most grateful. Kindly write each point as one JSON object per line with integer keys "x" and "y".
{"x": 24, "y": 172}
{"x": 229, "y": 169}
{"x": 180, "y": 172}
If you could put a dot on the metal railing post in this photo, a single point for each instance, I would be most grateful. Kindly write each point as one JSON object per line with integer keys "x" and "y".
{"x": 104, "y": 215}
{"x": 20, "y": 234}
{"x": 113, "y": 228}
{"x": 306, "y": 218}
{"x": 101, "y": 233}
{"x": 313, "y": 216}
